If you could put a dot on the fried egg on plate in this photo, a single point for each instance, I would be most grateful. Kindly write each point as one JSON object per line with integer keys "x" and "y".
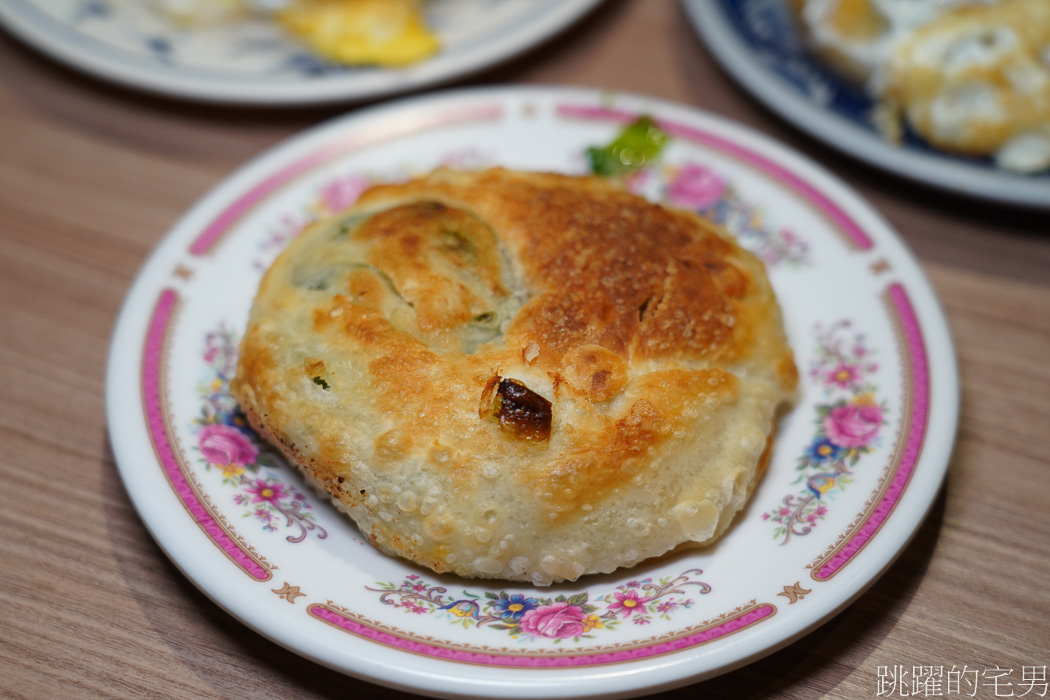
{"x": 354, "y": 32}
{"x": 968, "y": 76}
{"x": 383, "y": 32}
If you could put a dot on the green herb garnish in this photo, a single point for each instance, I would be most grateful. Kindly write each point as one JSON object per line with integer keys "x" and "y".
{"x": 637, "y": 145}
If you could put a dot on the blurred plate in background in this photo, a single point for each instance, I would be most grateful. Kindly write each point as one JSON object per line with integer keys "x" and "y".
{"x": 255, "y": 63}
{"x": 757, "y": 44}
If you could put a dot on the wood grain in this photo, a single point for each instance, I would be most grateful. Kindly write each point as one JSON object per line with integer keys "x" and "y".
{"x": 91, "y": 178}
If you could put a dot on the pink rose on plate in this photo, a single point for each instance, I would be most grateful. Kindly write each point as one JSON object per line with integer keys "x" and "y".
{"x": 853, "y": 426}
{"x": 557, "y": 620}
{"x": 843, "y": 375}
{"x": 695, "y": 187}
{"x": 223, "y": 445}
{"x": 341, "y": 193}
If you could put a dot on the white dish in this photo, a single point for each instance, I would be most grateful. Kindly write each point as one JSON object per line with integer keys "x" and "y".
{"x": 254, "y": 63}
{"x": 756, "y": 43}
{"x": 879, "y": 385}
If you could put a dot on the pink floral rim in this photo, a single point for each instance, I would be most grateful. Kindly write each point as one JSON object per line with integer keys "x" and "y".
{"x": 196, "y": 503}
{"x": 153, "y": 371}
{"x": 557, "y": 658}
{"x": 917, "y": 404}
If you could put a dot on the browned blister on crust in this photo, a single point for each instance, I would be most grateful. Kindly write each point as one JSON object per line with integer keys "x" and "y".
{"x": 519, "y": 375}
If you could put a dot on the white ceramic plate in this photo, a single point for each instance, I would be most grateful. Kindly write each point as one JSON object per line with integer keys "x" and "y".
{"x": 254, "y": 63}
{"x": 755, "y": 41}
{"x": 871, "y": 434}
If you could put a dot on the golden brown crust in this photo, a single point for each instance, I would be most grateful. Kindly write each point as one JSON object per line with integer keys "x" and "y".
{"x": 519, "y": 375}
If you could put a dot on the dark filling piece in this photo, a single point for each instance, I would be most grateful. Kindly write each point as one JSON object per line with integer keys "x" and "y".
{"x": 522, "y": 411}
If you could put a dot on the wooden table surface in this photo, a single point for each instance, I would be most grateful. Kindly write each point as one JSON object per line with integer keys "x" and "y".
{"x": 91, "y": 178}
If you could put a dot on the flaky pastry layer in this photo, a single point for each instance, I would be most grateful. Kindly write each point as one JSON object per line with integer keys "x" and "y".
{"x": 523, "y": 376}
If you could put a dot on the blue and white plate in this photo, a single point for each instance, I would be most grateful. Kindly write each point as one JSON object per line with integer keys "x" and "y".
{"x": 124, "y": 41}
{"x": 758, "y": 45}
